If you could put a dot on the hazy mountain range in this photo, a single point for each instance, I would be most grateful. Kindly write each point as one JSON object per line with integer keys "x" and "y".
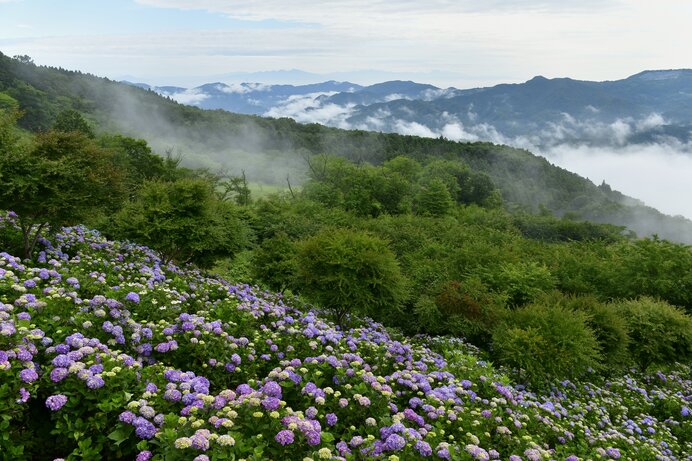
{"x": 649, "y": 107}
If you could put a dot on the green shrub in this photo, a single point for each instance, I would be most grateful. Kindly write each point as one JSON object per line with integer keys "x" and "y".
{"x": 607, "y": 324}
{"x": 546, "y": 342}
{"x": 469, "y": 310}
{"x": 274, "y": 262}
{"x": 659, "y": 333}
{"x": 183, "y": 221}
{"x": 350, "y": 271}
{"x": 522, "y": 282}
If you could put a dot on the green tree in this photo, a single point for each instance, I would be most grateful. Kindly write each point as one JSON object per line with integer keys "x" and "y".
{"x": 137, "y": 159}
{"x": 433, "y": 199}
{"x": 70, "y": 120}
{"x": 350, "y": 271}
{"x": 274, "y": 262}
{"x": 183, "y": 221}
{"x": 63, "y": 180}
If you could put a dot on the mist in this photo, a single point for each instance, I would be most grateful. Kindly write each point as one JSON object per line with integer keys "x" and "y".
{"x": 208, "y": 143}
{"x": 658, "y": 174}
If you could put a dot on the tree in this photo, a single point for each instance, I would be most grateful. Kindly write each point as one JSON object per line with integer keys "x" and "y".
{"x": 183, "y": 221}
{"x": 63, "y": 180}
{"x": 70, "y": 120}
{"x": 546, "y": 342}
{"x": 433, "y": 199}
{"x": 350, "y": 271}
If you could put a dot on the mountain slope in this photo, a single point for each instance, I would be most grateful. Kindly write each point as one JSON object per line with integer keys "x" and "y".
{"x": 269, "y": 150}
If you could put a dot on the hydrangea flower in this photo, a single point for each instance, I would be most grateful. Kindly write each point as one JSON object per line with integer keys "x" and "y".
{"x": 56, "y": 402}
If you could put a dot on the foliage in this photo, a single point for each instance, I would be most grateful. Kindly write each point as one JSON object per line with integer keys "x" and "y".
{"x": 183, "y": 221}
{"x": 546, "y": 341}
{"x": 433, "y": 199}
{"x": 607, "y": 323}
{"x": 659, "y": 333}
{"x": 70, "y": 120}
{"x": 470, "y": 310}
{"x": 64, "y": 178}
{"x": 522, "y": 282}
{"x": 274, "y": 262}
{"x": 350, "y": 272}
{"x": 218, "y": 139}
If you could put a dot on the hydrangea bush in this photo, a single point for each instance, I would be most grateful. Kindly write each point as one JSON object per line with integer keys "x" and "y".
{"x": 107, "y": 353}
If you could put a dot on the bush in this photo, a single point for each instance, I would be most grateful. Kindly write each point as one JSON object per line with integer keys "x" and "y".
{"x": 659, "y": 333}
{"x": 522, "y": 282}
{"x": 349, "y": 271}
{"x": 469, "y": 310}
{"x": 183, "y": 221}
{"x": 274, "y": 262}
{"x": 546, "y": 342}
{"x": 606, "y": 322}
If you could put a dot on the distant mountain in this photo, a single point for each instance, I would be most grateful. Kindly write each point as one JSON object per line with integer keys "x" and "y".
{"x": 248, "y": 98}
{"x": 647, "y": 107}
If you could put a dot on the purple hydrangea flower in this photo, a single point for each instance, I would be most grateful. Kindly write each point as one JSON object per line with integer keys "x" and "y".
{"x": 272, "y": 389}
{"x": 285, "y": 437}
{"x": 143, "y": 428}
{"x": 331, "y": 419}
{"x": 58, "y": 374}
{"x": 23, "y": 395}
{"x": 271, "y": 403}
{"x": 394, "y": 442}
{"x": 56, "y": 402}
{"x": 95, "y": 382}
{"x": 127, "y": 417}
{"x": 145, "y": 455}
{"x": 28, "y": 375}
{"x": 423, "y": 448}
{"x": 132, "y": 296}
{"x": 314, "y": 438}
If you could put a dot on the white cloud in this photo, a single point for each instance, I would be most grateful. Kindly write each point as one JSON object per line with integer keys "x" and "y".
{"x": 395, "y": 96}
{"x": 652, "y": 121}
{"x": 308, "y": 108}
{"x": 192, "y": 96}
{"x": 414, "y": 129}
{"x": 658, "y": 174}
{"x": 242, "y": 88}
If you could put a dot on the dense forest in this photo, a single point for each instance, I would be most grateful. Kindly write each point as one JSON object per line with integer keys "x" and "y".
{"x": 268, "y": 151}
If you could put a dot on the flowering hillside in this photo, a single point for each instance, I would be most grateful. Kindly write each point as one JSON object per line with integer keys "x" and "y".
{"x": 106, "y": 353}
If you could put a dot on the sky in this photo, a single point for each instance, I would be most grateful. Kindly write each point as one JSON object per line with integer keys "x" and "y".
{"x": 461, "y": 43}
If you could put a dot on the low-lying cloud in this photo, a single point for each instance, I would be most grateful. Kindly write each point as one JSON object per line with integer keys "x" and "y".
{"x": 658, "y": 174}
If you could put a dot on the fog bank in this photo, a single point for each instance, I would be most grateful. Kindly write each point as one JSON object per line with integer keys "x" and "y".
{"x": 657, "y": 174}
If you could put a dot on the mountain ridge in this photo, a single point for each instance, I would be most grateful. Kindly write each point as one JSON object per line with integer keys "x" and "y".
{"x": 522, "y": 114}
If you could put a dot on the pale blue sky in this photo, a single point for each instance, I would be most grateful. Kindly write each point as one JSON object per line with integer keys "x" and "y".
{"x": 446, "y": 42}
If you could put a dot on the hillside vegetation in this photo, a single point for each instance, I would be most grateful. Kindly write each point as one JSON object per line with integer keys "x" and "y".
{"x": 270, "y": 150}
{"x": 394, "y": 309}
{"x": 106, "y": 352}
